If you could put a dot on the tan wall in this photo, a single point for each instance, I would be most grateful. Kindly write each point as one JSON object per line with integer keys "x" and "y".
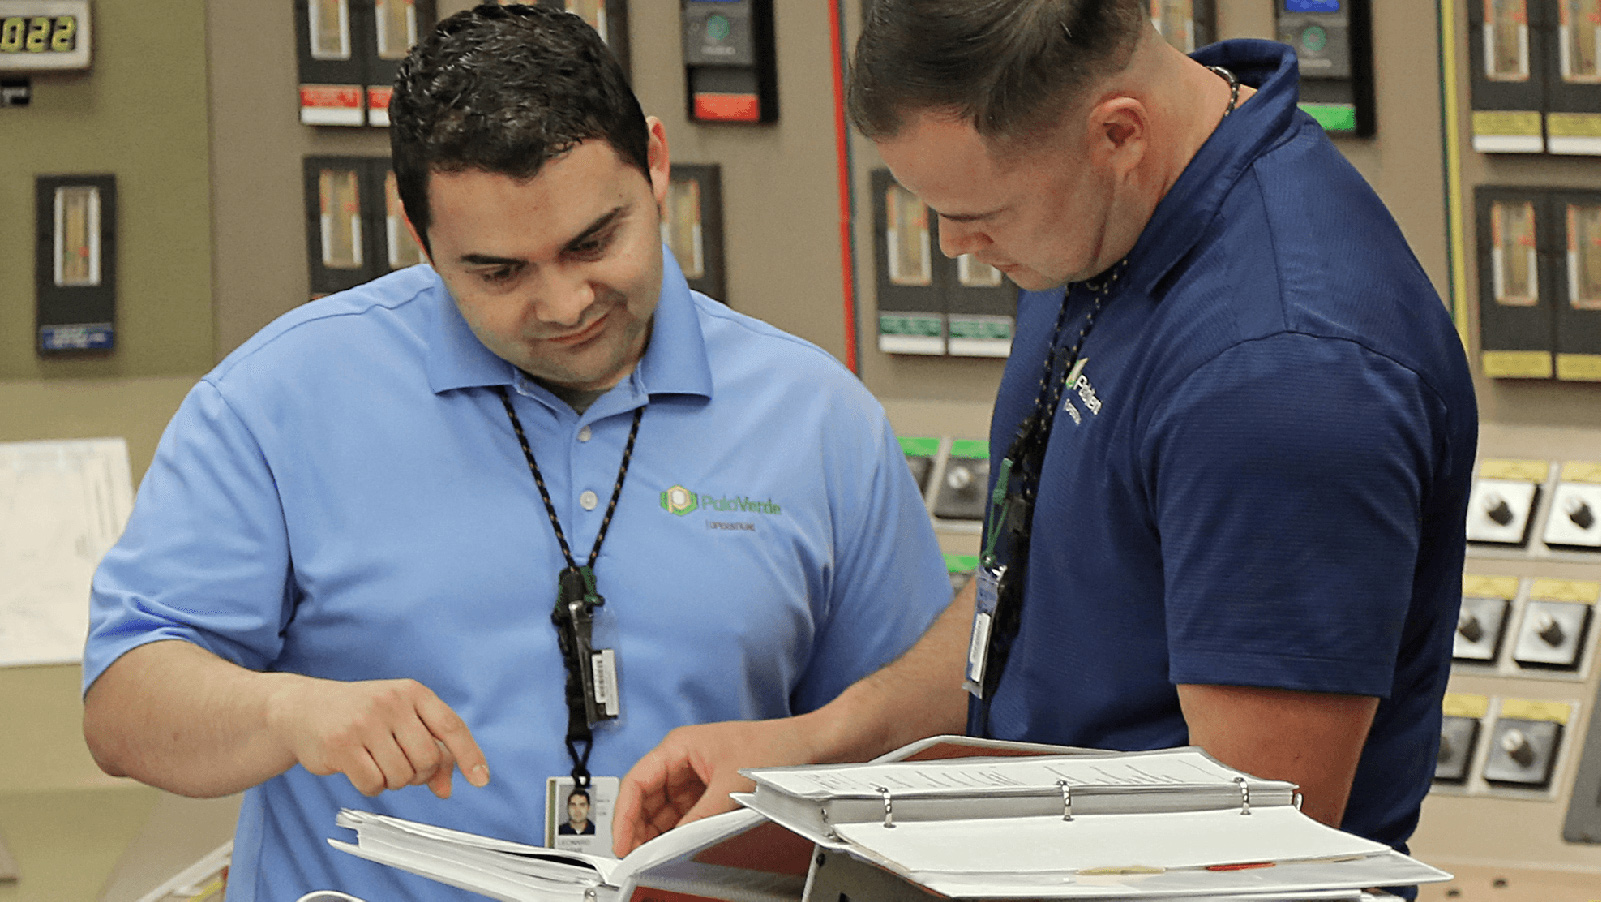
{"x": 139, "y": 113}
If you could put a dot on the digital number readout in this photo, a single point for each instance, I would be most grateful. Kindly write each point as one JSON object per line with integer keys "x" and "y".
{"x": 39, "y": 34}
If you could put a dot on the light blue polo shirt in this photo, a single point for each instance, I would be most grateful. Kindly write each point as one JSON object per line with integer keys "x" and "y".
{"x": 344, "y": 497}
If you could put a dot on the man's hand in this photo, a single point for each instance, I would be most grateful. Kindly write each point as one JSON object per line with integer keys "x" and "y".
{"x": 690, "y": 774}
{"x": 382, "y": 734}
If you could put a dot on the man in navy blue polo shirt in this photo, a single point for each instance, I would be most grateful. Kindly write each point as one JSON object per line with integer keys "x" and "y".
{"x": 1240, "y": 411}
{"x": 338, "y": 583}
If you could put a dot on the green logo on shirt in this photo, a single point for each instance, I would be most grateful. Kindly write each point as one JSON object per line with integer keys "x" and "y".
{"x": 678, "y": 500}
{"x": 681, "y": 501}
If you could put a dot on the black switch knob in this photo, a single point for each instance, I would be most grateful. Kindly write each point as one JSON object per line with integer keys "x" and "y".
{"x": 1470, "y": 627}
{"x": 1551, "y": 630}
{"x": 1499, "y": 511}
{"x": 1580, "y": 513}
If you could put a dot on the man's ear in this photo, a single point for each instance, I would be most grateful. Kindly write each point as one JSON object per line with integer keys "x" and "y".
{"x": 657, "y": 158}
{"x": 1119, "y": 133}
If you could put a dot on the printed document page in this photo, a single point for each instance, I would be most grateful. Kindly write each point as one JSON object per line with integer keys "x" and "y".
{"x": 1037, "y": 845}
{"x": 991, "y": 776}
{"x": 62, "y": 506}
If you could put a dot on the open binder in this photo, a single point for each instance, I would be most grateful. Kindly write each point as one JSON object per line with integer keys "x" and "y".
{"x": 737, "y": 856}
{"x": 947, "y": 817}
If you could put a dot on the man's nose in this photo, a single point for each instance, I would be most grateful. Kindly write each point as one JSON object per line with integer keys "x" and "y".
{"x": 958, "y": 238}
{"x": 564, "y": 295}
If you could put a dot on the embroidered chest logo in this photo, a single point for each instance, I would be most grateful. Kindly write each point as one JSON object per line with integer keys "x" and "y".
{"x": 1077, "y": 383}
{"x": 682, "y": 502}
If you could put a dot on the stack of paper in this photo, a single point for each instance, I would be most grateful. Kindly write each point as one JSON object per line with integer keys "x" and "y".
{"x": 514, "y": 872}
{"x": 1170, "y": 824}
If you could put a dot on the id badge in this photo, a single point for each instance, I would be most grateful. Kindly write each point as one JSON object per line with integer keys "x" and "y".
{"x": 579, "y": 819}
{"x": 987, "y": 581}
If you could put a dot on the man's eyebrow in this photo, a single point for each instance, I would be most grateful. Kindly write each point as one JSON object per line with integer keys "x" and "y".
{"x": 599, "y": 225}
{"x": 491, "y": 260}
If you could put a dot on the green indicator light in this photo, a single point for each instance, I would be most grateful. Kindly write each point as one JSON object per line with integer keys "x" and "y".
{"x": 1334, "y": 117}
{"x": 717, "y": 27}
{"x": 1314, "y": 39}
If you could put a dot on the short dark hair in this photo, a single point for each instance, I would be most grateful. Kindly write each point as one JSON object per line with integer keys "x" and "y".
{"x": 505, "y": 89}
{"x": 1007, "y": 66}
{"x": 576, "y": 793}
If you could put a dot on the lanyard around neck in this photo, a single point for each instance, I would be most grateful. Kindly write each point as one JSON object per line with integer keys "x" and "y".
{"x": 576, "y": 599}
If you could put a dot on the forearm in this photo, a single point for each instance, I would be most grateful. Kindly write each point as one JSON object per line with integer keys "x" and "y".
{"x": 919, "y": 694}
{"x": 1311, "y": 739}
{"x": 179, "y": 718}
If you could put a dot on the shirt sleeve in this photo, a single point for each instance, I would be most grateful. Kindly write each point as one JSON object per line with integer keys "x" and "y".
{"x": 1286, "y": 479}
{"x": 889, "y": 581}
{"x": 204, "y": 557}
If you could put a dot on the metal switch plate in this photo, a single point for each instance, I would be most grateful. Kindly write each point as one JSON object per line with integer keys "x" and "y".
{"x": 1575, "y": 517}
{"x": 1522, "y": 752}
{"x": 921, "y": 468}
{"x": 1458, "y": 736}
{"x": 1552, "y": 634}
{"x": 1499, "y": 511}
{"x": 961, "y": 493}
{"x": 1479, "y": 629}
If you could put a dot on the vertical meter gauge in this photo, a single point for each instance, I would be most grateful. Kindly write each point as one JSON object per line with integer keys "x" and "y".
{"x": 44, "y": 35}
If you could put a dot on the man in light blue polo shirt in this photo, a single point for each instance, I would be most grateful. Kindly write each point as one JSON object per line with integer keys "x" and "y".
{"x": 340, "y": 579}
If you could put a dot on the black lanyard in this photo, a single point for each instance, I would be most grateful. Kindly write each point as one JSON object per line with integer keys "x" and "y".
{"x": 1011, "y": 506}
{"x": 576, "y": 600}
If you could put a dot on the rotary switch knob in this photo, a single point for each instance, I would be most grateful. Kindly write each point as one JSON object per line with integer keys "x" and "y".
{"x": 1498, "y": 510}
{"x": 1550, "y": 630}
{"x": 959, "y": 478}
{"x": 1518, "y": 747}
{"x": 1580, "y": 513}
{"x": 1470, "y": 627}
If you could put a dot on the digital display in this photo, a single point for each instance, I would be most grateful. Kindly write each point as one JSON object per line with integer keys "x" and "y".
{"x": 44, "y": 35}
{"x": 39, "y": 34}
{"x": 1311, "y": 6}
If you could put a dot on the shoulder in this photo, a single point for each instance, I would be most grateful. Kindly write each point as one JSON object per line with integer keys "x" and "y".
{"x": 740, "y": 346}
{"x": 351, "y": 321}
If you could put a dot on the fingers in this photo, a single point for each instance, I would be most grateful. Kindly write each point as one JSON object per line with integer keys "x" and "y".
{"x": 645, "y": 802}
{"x": 715, "y": 800}
{"x": 385, "y": 735}
{"x": 439, "y": 783}
{"x": 451, "y": 731}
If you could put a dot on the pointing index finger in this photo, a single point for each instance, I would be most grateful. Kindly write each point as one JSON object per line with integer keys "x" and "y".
{"x": 452, "y": 732}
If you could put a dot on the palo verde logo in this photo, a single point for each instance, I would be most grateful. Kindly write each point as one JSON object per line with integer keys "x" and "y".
{"x": 681, "y": 501}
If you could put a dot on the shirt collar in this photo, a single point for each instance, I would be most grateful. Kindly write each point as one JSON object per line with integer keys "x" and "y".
{"x": 1188, "y": 208}
{"x": 675, "y": 361}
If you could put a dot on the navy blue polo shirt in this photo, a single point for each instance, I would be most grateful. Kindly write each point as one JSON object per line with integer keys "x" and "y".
{"x": 1260, "y": 476}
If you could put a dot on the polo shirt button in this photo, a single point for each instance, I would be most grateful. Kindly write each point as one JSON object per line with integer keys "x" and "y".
{"x": 584, "y": 434}
{"x": 588, "y": 500}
